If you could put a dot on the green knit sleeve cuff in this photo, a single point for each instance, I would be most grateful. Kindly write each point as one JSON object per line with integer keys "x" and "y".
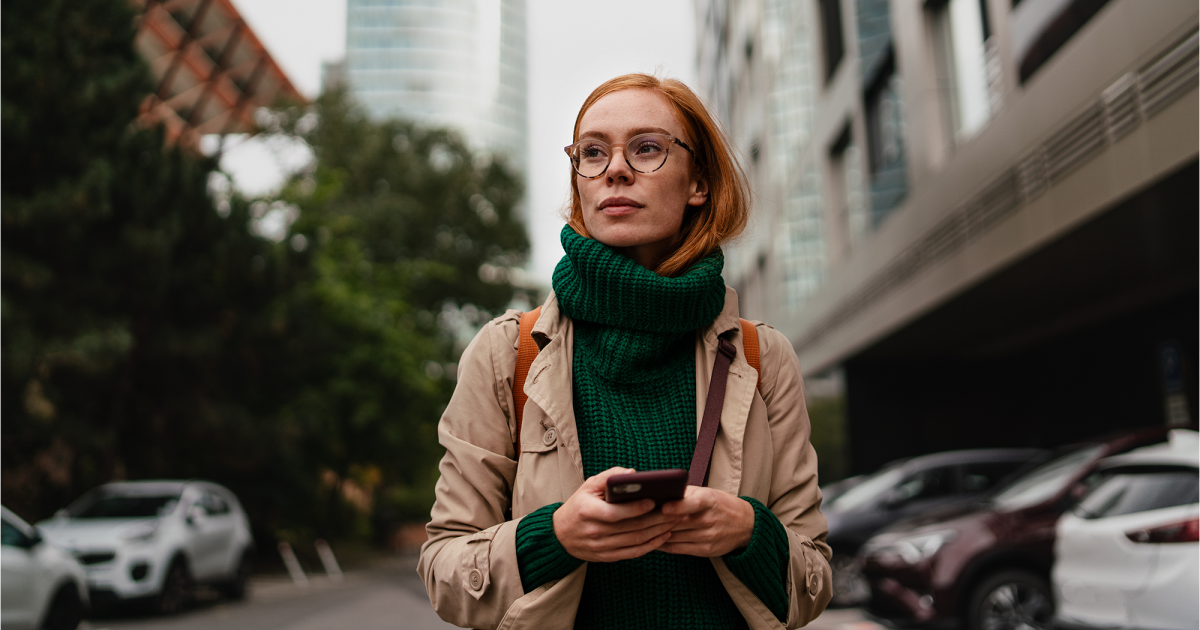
{"x": 762, "y": 566}
{"x": 540, "y": 557}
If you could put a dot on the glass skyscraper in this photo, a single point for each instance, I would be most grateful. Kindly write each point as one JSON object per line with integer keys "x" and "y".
{"x": 451, "y": 63}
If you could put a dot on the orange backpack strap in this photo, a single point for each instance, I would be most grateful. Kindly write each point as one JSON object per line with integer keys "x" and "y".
{"x": 527, "y": 351}
{"x": 750, "y": 346}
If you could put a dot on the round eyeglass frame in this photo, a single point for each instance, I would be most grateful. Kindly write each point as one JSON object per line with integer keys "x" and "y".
{"x": 625, "y": 153}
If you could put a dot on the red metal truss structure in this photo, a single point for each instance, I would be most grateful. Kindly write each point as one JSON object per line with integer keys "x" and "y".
{"x": 212, "y": 70}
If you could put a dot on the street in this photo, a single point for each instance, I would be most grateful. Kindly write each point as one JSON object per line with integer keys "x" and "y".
{"x": 387, "y": 595}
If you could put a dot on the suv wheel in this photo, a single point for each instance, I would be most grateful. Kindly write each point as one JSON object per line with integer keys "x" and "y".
{"x": 236, "y": 587}
{"x": 177, "y": 587}
{"x": 66, "y": 610}
{"x": 1011, "y": 600}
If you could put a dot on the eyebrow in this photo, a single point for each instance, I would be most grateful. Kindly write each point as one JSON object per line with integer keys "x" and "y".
{"x": 600, "y": 135}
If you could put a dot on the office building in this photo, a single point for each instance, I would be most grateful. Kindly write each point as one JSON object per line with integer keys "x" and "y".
{"x": 981, "y": 212}
{"x": 450, "y": 63}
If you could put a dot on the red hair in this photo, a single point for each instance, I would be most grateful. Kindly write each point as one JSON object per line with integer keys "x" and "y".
{"x": 723, "y": 216}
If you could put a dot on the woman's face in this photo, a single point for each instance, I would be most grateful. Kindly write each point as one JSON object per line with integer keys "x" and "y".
{"x": 638, "y": 214}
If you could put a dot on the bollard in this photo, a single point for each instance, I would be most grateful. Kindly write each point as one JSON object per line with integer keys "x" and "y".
{"x": 292, "y": 564}
{"x": 331, "y": 564}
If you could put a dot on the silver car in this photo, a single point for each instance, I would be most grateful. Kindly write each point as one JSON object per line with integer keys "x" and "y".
{"x": 155, "y": 540}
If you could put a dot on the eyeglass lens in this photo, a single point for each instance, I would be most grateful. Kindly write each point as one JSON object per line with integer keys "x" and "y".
{"x": 645, "y": 153}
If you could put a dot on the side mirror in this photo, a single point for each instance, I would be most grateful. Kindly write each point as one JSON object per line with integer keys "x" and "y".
{"x": 34, "y": 540}
{"x": 194, "y": 514}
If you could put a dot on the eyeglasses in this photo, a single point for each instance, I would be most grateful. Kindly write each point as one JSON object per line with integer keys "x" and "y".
{"x": 645, "y": 153}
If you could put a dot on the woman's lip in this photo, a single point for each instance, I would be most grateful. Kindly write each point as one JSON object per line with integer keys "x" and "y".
{"x": 619, "y": 210}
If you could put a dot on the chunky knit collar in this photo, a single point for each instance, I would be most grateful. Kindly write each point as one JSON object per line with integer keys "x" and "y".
{"x": 594, "y": 283}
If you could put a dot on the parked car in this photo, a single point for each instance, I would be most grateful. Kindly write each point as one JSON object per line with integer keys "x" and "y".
{"x": 988, "y": 566}
{"x": 905, "y": 489}
{"x": 1127, "y": 555}
{"x": 41, "y": 586}
{"x": 153, "y": 540}
{"x": 831, "y": 491}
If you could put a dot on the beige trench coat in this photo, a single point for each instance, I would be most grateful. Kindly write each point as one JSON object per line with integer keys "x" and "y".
{"x": 469, "y": 563}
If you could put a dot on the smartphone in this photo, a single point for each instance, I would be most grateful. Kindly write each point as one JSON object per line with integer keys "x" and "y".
{"x": 660, "y": 485}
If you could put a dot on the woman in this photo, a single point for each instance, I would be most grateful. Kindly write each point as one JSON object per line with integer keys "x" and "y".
{"x": 627, "y": 345}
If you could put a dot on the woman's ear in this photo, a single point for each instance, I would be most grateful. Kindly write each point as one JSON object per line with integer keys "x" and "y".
{"x": 699, "y": 191}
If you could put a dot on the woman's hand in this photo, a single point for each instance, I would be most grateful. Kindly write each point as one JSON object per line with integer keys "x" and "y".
{"x": 711, "y": 523}
{"x": 594, "y": 530}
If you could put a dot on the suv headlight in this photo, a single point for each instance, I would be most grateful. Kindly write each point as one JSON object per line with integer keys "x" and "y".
{"x": 910, "y": 549}
{"x": 140, "y": 534}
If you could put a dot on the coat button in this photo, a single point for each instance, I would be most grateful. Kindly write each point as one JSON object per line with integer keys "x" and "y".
{"x": 814, "y": 584}
{"x": 476, "y": 579}
{"x": 550, "y": 436}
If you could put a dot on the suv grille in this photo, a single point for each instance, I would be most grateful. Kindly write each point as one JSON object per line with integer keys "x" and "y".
{"x": 96, "y": 557}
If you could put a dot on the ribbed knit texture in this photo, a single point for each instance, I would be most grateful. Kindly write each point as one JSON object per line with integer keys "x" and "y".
{"x": 635, "y": 406}
{"x": 541, "y": 557}
{"x": 762, "y": 565}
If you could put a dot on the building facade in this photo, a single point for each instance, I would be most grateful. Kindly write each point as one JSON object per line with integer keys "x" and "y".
{"x": 450, "y": 63}
{"x": 981, "y": 212}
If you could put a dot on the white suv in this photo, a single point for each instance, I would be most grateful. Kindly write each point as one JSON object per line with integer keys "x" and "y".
{"x": 156, "y": 539}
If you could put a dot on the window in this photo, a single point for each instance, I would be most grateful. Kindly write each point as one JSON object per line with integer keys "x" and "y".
{"x": 1047, "y": 480}
{"x": 1134, "y": 490}
{"x": 967, "y": 65}
{"x": 831, "y": 30}
{"x": 1041, "y": 27}
{"x": 885, "y": 140}
{"x": 982, "y": 476}
{"x": 926, "y": 484}
{"x": 214, "y": 505}
{"x": 127, "y": 506}
{"x": 11, "y": 536}
{"x": 850, "y": 220}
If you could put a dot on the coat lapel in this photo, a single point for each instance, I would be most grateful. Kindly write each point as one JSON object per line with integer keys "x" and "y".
{"x": 549, "y": 387}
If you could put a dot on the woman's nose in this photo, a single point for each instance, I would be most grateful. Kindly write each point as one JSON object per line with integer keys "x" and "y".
{"x": 618, "y": 167}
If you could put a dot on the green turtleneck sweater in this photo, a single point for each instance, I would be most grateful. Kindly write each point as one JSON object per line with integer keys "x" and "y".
{"x": 635, "y": 406}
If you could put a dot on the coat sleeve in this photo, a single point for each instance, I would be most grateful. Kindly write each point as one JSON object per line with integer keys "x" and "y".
{"x": 469, "y": 563}
{"x": 795, "y": 497}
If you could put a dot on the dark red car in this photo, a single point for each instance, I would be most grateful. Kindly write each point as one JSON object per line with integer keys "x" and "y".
{"x": 986, "y": 567}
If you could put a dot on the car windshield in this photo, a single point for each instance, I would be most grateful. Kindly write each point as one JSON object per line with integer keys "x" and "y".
{"x": 125, "y": 506}
{"x": 1046, "y": 480}
{"x": 1140, "y": 490}
{"x": 867, "y": 492}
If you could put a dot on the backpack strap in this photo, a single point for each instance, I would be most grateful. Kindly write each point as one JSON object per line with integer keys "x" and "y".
{"x": 750, "y": 346}
{"x": 527, "y": 351}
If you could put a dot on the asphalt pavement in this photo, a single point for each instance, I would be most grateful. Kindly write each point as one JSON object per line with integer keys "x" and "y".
{"x": 386, "y": 595}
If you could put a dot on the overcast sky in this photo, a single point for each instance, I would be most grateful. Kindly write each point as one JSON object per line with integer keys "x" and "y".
{"x": 656, "y": 36}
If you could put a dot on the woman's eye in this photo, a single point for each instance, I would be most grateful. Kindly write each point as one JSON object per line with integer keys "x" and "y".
{"x": 647, "y": 147}
{"x": 591, "y": 152}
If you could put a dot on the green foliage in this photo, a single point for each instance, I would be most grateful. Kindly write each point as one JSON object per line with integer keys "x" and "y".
{"x": 402, "y": 218}
{"x": 148, "y": 335}
{"x": 828, "y": 418}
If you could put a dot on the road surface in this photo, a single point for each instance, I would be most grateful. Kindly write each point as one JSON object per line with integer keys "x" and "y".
{"x": 387, "y": 595}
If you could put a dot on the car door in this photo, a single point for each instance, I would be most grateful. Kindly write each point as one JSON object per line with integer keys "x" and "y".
{"x": 222, "y": 523}
{"x": 212, "y": 527}
{"x": 20, "y": 579}
{"x": 1112, "y": 566}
